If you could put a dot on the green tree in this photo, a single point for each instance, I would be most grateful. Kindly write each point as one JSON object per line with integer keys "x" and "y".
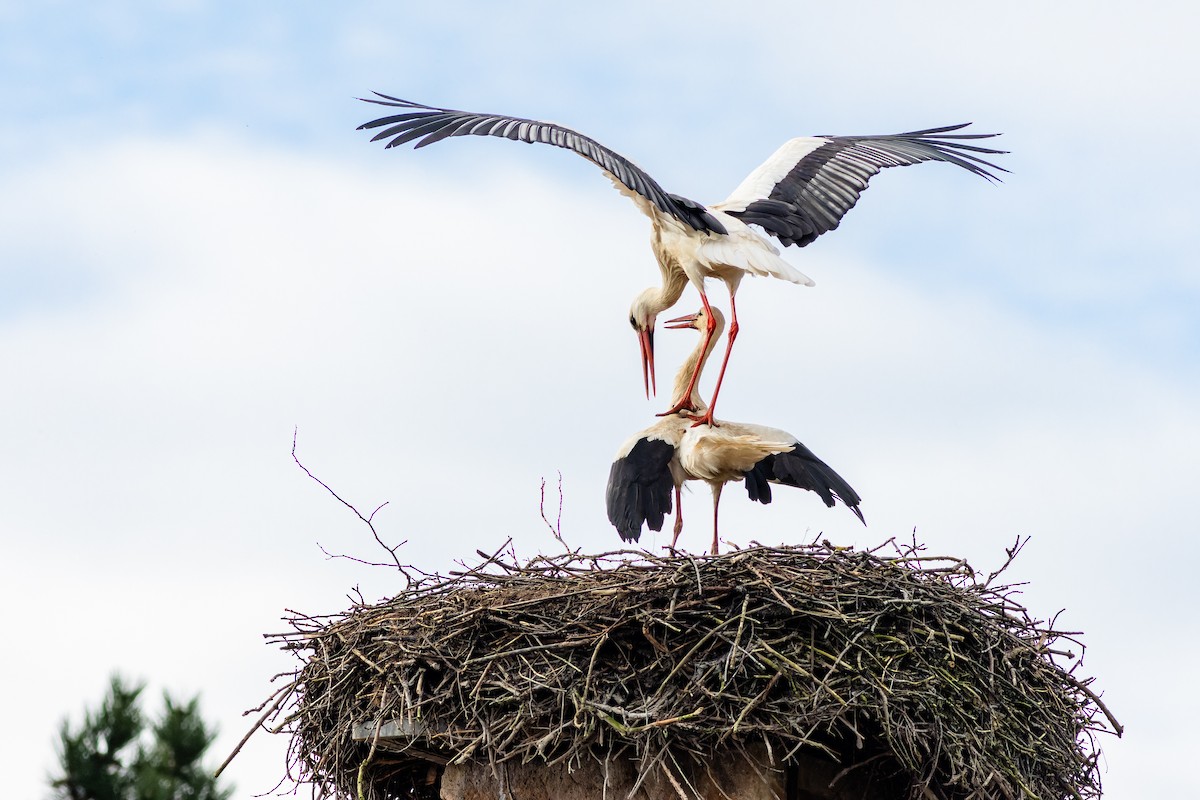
{"x": 117, "y": 754}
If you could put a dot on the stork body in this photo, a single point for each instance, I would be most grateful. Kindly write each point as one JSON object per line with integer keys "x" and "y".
{"x": 731, "y": 451}
{"x": 803, "y": 190}
{"x": 652, "y": 465}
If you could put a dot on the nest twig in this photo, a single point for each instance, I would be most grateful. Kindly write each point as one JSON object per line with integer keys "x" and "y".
{"x": 897, "y": 659}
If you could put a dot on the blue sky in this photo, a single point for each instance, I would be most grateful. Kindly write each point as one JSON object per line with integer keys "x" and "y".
{"x": 199, "y": 254}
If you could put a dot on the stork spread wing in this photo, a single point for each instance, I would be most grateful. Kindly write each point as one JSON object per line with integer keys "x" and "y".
{"x": 430, "y": 124}
{"x": 809, "y": 184}
{"x": 802, "y": 469}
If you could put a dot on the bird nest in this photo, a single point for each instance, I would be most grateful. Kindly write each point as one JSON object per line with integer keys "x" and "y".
{"x": 916, "y": 666}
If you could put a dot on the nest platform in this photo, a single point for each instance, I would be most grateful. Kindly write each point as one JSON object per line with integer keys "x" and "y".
{"x": 884, "y": 675}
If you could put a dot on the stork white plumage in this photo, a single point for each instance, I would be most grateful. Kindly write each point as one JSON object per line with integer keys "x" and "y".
{"x": 800, "y": 192}
{"x": 653, "y": 464}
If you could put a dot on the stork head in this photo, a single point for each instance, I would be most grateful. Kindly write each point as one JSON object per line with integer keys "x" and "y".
{"x": 697, "y": 321}
{"x": 710, "y": 323}
{"x": 642, "y": 316}
{"x": 694, "y": 321}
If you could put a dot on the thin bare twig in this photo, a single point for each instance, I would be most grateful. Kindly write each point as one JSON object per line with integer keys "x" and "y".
{"x": 1011, "y": 553}
{"x": 368, "y": 520}
{"x": 280, "y": 697}
{"x": 556, "y": 528}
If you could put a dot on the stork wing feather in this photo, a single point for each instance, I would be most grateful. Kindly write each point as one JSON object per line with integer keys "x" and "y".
{"x": 639, "y": 488}
{"x": 810, "y": 183}
{"x": 429, "y": 124}
{"x": 801, "y": 468}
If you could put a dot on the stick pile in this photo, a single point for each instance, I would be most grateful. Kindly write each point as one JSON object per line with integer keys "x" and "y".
{"x": 913, "y": 666}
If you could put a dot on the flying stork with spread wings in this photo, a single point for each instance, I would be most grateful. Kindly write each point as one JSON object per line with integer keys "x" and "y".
{"x": 802, "y": 191}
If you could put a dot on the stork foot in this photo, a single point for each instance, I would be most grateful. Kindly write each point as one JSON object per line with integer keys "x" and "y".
{"x": 703, "y": 419}
{"x": 684, "y": 407}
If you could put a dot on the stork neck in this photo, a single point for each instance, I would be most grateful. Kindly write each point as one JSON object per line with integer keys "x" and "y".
{"x": 699, "y": 355}
{"x": 674, "y": 281}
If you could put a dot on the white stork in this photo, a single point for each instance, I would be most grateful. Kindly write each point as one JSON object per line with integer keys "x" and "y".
{"x": 653, "y": 464}
{"x": 800, "y": 192}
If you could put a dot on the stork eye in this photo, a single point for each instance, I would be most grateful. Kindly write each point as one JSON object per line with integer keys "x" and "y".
{"x": 633, "y": 322}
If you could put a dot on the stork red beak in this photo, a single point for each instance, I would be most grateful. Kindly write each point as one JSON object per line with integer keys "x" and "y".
{"x": 646, "y": 341}
{"x": 688, "y": 321}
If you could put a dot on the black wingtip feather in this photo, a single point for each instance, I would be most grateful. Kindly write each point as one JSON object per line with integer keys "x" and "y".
{"x": 435, "y": 124}
{"x": 640, "y": 489}
{"x": 824, "y": 184}
{"x": 802, "y": 469}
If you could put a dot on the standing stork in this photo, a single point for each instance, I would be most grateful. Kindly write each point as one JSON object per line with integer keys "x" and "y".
{"x": 803, "y": 190}
{"x": 653, "y": 464}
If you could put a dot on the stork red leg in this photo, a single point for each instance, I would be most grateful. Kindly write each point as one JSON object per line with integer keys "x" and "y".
{"x": 716, "y": 505}
{"x": 684, "y": 403}
{"x": 678, "y": 518}
{"x": 707, "y": 417}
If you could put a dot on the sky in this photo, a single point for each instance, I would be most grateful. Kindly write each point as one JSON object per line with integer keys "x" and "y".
{"x": 200, "y": 259}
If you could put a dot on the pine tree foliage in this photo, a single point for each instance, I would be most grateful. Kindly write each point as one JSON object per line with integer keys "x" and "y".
{"x": 118, "y": 754}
